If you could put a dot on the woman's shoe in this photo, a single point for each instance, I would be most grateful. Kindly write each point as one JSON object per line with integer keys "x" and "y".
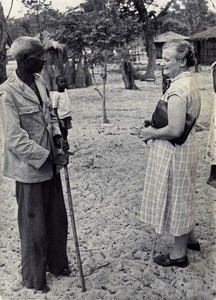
{"x": 194, "y": 246}
{"x": 165, "y": 261}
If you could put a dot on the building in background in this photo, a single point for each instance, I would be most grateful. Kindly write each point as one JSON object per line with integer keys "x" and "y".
{"x": 162, "y": 38}
{"x": 205, "y": 45}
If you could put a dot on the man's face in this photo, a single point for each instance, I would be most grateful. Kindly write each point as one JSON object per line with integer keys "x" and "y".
{"x": 35, "y": 61}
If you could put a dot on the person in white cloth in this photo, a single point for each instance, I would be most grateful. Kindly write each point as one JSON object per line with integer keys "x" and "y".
{"x": 211, "y": 145}
{"x": 62, "y": 106}
{"x": 169, "y": 188}
{"x": 31, "y": 134}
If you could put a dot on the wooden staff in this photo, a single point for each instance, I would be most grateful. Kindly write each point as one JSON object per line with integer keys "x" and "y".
{"x": 70, "y": 202}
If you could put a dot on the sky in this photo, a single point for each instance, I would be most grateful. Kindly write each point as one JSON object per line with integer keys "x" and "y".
{"x": 19, "y": 9}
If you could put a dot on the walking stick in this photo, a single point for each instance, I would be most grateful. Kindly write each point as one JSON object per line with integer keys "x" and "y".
{"x": 70, "y": 202}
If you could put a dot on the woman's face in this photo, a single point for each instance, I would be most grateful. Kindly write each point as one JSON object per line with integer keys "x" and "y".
{"x": 171, "y": 66}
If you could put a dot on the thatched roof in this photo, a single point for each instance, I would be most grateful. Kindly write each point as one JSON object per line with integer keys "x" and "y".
{"x": 169, "y": 35}
{"x": 204, "y": 35}
{"x": 49, "y": 43}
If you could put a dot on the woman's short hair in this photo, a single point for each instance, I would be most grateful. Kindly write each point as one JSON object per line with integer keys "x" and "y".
{"x": 184, "y": 50}
{"x": 24, "y": 45}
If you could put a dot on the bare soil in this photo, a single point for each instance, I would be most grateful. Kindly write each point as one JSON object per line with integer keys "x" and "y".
{"x": 106, "y": 174}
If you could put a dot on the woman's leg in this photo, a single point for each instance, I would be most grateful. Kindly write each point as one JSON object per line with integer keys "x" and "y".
{"x": 191, "y": 237}
{"x": 180, "y": 246}
{"x": 178, "y": 256}
{"x": 184, "y": 242}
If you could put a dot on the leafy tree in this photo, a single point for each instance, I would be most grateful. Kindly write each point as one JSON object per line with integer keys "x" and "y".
{"x": 126, "y": 30}
{"x": 74, "y": 32}
{"x": 111, "y": 33}
{"x": 27, "y": 25}
{"x": 114, "y": 31}
{"x": 174, "y": 21}
{"x": 95, "y": 33}
{"x": 101, "y": 59}
{"x": 101, "y": 54}
{"x": 4, "y": 40}
{"x": 150, "y": 21}
{"x": 189, "y": 17}
{"x": 86, "y": 35}
{"x": 38, "y": 8}
{"x": 196, "y": 15}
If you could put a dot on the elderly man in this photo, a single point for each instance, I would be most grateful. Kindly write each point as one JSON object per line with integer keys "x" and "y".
{"x": 31, "y": 135}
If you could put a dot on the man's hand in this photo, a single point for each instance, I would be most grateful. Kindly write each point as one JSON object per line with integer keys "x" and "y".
{"x": 65, "y": 145}
{"x": 57, "y": 140}
{"x": 60, "y": 143}
{"x": 61, "y": 159}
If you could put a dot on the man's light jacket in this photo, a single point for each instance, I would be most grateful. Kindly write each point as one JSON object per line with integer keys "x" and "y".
{"x": 28, "y": 129}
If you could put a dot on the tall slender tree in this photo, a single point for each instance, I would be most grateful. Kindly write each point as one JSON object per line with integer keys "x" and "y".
{"x": 39, "y": 8}
{"x": 150, "y": 21}
{"x": 196, "y": 15}
{"x": 4, "y": 40}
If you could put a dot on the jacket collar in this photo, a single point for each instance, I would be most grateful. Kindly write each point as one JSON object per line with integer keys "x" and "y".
{"x": 25, "y": 90}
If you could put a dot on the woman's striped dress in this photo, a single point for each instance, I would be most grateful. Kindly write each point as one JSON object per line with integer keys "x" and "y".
{"x": 169, "y": 188}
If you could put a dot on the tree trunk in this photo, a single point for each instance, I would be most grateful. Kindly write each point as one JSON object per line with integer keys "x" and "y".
{"x": 104, "y": 77}
{"x": 70, "y": 73}
{"x": 151, "y": 53}
{"x": 128, "y": 75}
{"x": 87, "y": 73}
{"x": 80, "y": 80}
{"x": 3, "y": 42}
{"x": 148, "y": 29}
{"x": 52, "y": 68}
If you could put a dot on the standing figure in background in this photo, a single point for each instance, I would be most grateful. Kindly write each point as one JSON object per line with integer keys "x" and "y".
{"x": 62, "y": 106}
{"x": 211, "y": 146}
{"x": 168, "y": 201}
{"x": 31, "y": 136}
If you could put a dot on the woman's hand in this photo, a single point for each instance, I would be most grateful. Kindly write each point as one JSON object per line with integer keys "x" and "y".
{"x": 146, "y": 134}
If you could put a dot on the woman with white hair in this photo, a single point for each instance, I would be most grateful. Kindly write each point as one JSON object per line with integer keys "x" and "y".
{"x": 31, "y": 135}
{"x": 169, "y": 188}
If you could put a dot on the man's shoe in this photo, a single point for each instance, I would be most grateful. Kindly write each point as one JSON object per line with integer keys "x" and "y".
{"x": 165, "y": 261}
{"x": 64, "y": 272}
{"x": 17, "y": 286}
{"x": 194, "y": 246}
{"x": 45, "y": 289}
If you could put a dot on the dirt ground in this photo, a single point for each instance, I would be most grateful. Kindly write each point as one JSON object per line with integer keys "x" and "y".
{"x": 106, "y": 175}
